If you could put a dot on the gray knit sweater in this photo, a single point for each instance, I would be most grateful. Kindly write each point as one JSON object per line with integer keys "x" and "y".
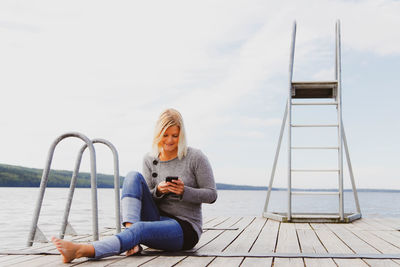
{"x": 195, "y": 171}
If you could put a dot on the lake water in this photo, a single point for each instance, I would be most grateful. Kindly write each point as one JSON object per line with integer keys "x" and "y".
{"x": 17, "y": 205}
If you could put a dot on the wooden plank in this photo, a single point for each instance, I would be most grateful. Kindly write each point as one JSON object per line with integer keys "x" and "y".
{"x": 318, "y": 226}
{"x": 224, "y": 239}
{"x": 285, "y": 262}
{"x": 320, "y": 262}
{"x": 22, "y": 258}
{"x": 377, "y": 225}
{"x": 350, "y": 263}
{"x": 363, "y": 225}
{"x": 387, "y": 222}
{"x": 208, "y": 220}
{"x": 309, "y": 243}
{"x": 226, "y": 261}
{"x": 382, "y": 263}
{"x": 376, "y": 242}
{"x": 331, "y": 242}
{"x": 16, "y": 259}
{"x": 195, "y": 261}
{"x": 242, "y": 243}
{"x": 207, "y": 237}
{"x": 131, "y": 261}
{"x": 215, "y": 222}
{"x": 334, "y": 245}
{"x": 265, "y": 242}
{"x": 356, "y": 243}
{"x": 287, "y": 243}
{"x": 388, "y": 237}
{"x": 267, "y": 239}
{"x": 302, "y": 226}
{"x": 163, "y": 261}
{"x": 247, "y": 238}
{"x": 48, "y": 260}
{"x": 250, "y": 262}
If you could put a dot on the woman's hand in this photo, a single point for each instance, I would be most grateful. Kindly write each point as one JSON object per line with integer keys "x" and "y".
{"x": 176, "y": 187}
{"x": 162, "y": 188}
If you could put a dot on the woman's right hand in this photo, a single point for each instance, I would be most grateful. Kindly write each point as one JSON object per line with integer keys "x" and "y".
{"x": 162, "y": 188}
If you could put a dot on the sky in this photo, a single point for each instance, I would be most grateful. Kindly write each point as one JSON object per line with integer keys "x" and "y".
{"x": 107, "y": 69}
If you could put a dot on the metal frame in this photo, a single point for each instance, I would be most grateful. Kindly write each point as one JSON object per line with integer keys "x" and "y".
{"x": 65, "y": 222}
{"x": 45, "y": 177}
{"x": 287, "y": 118}
{"x": 35, "y": 233}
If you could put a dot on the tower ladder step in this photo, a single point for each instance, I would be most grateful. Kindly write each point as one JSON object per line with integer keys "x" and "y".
{"x": 315, "y": 170}
{"x": 314, "y": 125}
{"x": 315, "y": 147}
{"x": 305, "y": 193}
{"x": 314, "y": 103}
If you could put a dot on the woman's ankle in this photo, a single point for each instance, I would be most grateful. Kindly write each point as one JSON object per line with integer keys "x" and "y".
{"x": 85, "y": 250}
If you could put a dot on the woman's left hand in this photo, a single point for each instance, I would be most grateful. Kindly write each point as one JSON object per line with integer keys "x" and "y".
{"x": 176, "y": 187}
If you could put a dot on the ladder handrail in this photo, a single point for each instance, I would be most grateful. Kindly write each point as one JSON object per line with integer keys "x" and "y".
{"x": 278, "y": 149}
{"x": 289, "y": 121}
{"x": 339, "y": 114}
{"x": 45, "y": 177}
{"x": 74, "y": 179}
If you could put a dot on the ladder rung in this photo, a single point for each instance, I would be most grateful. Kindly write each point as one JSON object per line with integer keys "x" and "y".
{"x": 313, "y": 104}
{"x": 314, "y": 193}
{"x": 315, "y": 84}
{"x": 322, "y": 170}
{"x": 314, "y": 125}
{"x": 315, "y": 147}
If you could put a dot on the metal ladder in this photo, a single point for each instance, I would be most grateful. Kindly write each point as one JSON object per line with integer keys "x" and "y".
{"x": 35, "y": 234}
{"x": 328, "y": 90}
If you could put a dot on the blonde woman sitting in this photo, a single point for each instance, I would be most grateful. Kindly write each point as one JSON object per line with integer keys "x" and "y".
{"x": 161, "y": 208}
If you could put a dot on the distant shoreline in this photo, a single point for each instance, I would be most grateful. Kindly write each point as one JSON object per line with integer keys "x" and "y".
{"x": 233, "y": 187}
{"x": 17, "y": 176}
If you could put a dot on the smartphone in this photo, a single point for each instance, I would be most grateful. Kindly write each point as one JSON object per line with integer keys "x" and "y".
{"x": 170, "y": 178}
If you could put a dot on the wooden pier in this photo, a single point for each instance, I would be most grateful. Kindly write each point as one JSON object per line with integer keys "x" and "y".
{"x": 255, "y": 241}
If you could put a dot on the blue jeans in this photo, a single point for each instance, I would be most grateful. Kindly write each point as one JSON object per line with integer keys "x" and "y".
{"x": 148, "y": 227}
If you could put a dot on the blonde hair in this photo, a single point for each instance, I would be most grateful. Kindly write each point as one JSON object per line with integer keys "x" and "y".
{"x": 169, "y": 117}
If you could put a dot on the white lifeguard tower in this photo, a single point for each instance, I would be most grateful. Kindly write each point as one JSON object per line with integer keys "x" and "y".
{"x": 328, "y": 93}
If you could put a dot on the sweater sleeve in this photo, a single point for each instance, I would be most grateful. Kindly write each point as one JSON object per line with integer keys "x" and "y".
{"x": 150, "y": 182}
{"x": 207, "y": 192}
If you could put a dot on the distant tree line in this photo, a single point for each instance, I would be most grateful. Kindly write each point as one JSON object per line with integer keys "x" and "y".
{"x": 15, "y": 176}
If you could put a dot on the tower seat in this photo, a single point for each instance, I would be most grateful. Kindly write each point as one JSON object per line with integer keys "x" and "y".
{"x": 325, "y": 89}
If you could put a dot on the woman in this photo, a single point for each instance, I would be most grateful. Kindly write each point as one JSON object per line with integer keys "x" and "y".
{"x": 158, "y": 213}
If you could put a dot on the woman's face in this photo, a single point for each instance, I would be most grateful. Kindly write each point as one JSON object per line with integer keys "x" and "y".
{"x": 170, "y": 139}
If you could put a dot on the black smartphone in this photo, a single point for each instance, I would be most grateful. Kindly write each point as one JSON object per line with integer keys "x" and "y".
{"x": 170, "y": 178}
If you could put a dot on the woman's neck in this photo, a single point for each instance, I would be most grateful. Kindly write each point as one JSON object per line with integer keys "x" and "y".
{"x": 168, "y": 155}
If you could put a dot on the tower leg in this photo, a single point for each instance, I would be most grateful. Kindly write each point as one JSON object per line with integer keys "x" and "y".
{"x": 271, "y": 180}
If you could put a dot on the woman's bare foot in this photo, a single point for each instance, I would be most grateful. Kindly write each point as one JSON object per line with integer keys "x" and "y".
{"x": 71, "y": 251}
{"x": 135, "y": 250}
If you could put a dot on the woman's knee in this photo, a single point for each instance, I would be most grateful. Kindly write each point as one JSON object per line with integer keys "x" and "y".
{"x": 132, "y": 183}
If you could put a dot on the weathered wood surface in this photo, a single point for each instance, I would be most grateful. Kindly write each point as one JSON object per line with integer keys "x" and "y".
{"x": 257, "y": 235}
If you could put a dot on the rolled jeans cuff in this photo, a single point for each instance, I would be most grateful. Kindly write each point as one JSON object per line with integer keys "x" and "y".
{"x": 107, "y": 247}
